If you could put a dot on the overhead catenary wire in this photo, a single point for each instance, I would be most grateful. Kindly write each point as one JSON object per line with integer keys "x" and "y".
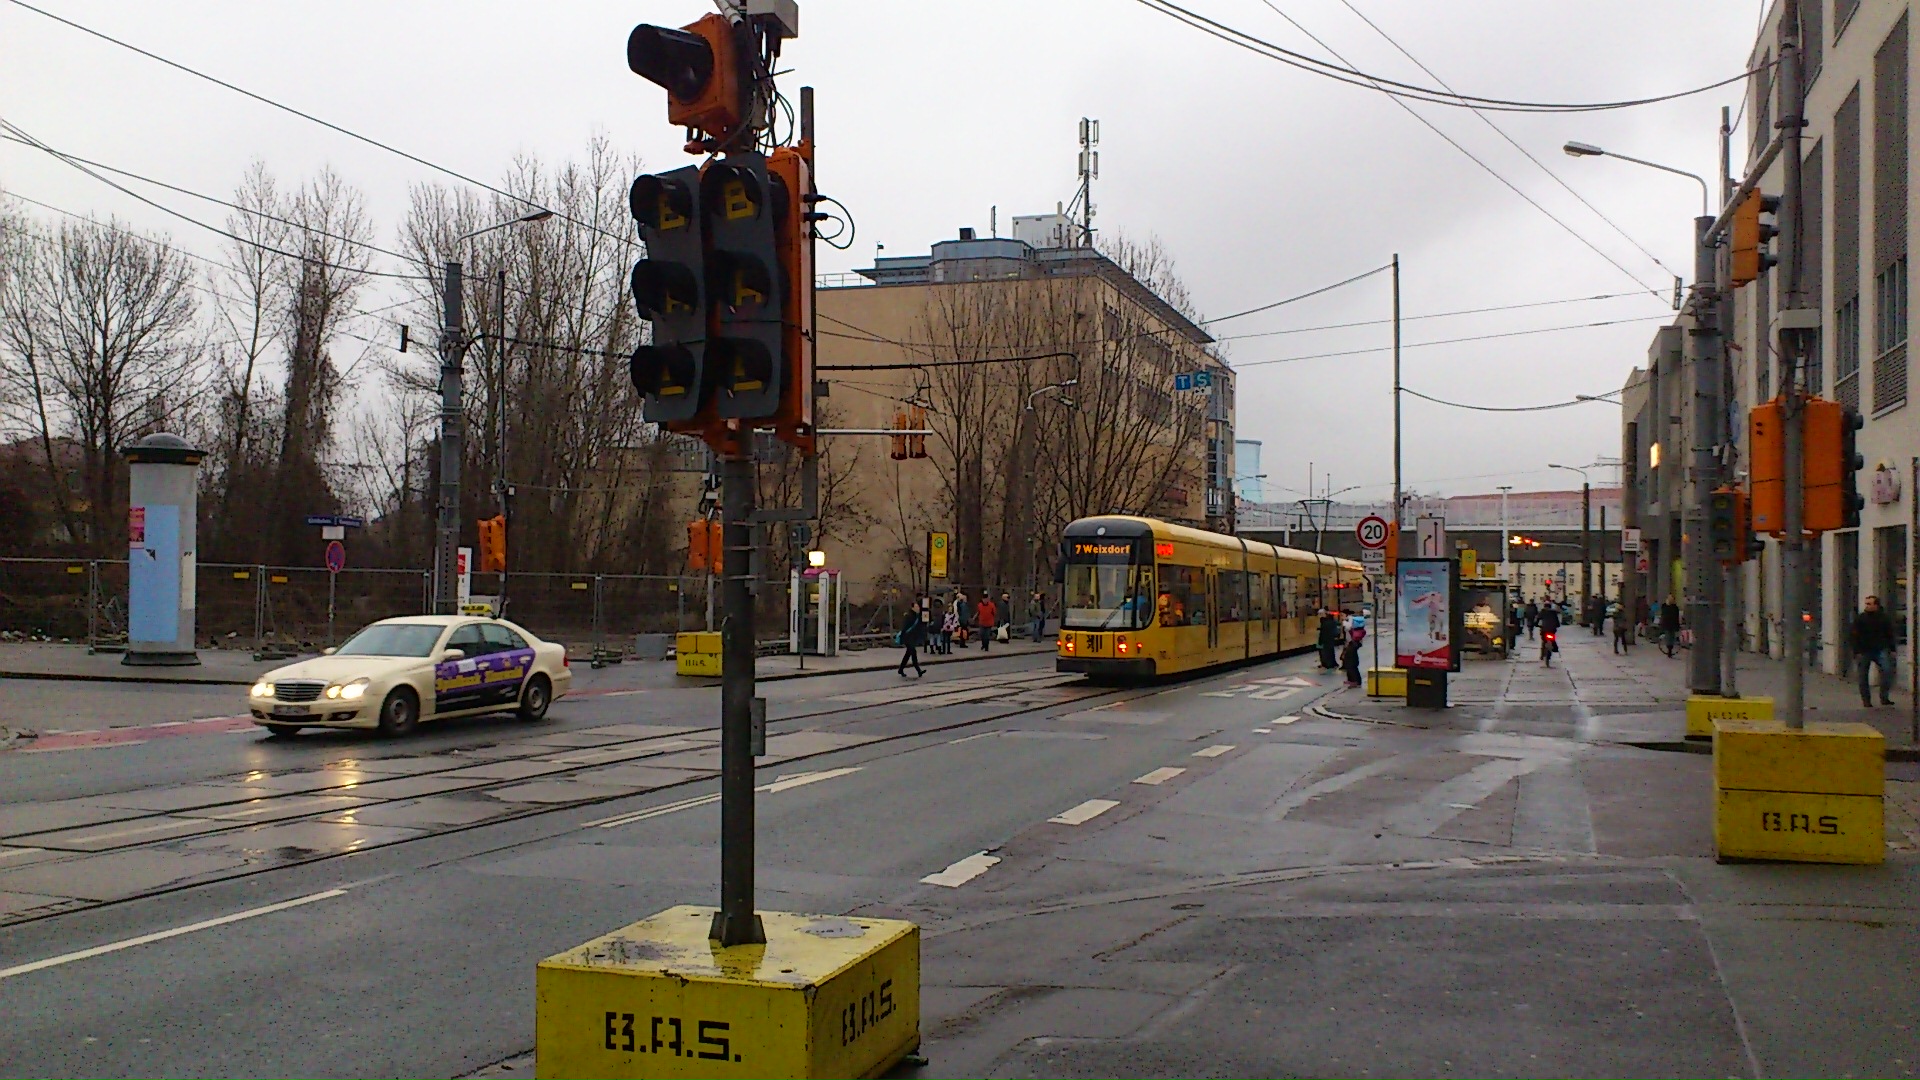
{"x": 1606, "y": 397}
{"x": 1238, "y": 365}
{"x": 1355, "y": 77}
{"x": 331, "y": 126}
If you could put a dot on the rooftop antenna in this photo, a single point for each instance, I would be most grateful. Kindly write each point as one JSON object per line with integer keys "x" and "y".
{"x": 1089, "y": 172}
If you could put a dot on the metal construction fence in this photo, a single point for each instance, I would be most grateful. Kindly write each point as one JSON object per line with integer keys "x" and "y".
{"x": 277, "y": 610}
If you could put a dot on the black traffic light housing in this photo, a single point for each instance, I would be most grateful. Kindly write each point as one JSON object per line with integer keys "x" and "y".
{"x": 745, "y": 287}
{"x": 1727, "y": 525}
{"x": 1851, "y": 462}
{"x": 669, "y": 291}
{"x": 707, "y": 70}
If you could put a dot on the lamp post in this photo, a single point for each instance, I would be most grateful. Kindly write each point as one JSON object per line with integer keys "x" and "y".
{"x": 453, "y": 352}
{"x": 1706, "y": 585}
{"x": 1505, "y": 540}
{"x": 1586, "y": 522}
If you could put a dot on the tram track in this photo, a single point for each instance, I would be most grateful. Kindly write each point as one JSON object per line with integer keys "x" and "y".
{"x": 260, "y": 810}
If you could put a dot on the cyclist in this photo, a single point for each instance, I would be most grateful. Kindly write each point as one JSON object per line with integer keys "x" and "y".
{"x": 1549, "y": 633}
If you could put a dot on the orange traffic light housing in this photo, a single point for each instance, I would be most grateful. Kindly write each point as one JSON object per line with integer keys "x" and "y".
{"x": 706, "y": 68}
{"x": 1393, "y": 549}
{"x": 898, "y": 442}
{"x": 790, "y": 176}
{"x": 705, "y": 550}
{"x": 1831, "y": 463}
{"x": 493, "y": 544}
{"x": 1750, "y": 235}
{"x": 917, "y": 444}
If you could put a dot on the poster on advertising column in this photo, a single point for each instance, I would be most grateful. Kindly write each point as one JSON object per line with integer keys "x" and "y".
{"x": 1423, "y": 609}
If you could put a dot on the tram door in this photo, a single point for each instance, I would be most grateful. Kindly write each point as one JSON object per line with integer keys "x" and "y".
{"x": 1213, "y": 609}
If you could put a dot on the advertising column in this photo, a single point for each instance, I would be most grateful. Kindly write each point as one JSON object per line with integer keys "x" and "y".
{"x": 1424, "y": 629}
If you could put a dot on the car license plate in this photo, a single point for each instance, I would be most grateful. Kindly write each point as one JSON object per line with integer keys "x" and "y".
{"x": 289, "y": 710}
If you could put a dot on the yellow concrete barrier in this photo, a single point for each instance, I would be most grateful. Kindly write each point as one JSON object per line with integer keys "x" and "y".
{"x": 1814, "y": 795}
{"x": 1704, "y": 709}
{"x": 825, "y": 996}
{"x": 1387, "y": 682}
{"x": 697, "y": 652}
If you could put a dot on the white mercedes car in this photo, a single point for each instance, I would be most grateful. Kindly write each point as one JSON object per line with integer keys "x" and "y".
{"x": 397, "y": 672}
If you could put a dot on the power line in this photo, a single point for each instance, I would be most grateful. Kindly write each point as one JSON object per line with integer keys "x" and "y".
{"x": 1432, "y": 315}
{"x": 264, "y": 100}
{"x": 1294, "y": 299}
{"x": 1354, "y": 77}
{"x": 967, "y": 362}
{"x": 1448, "y": 341}
{"x": 1487, "y": 120}
{"x": 1470, "y": 156}
{"x": 1607, "y": 397}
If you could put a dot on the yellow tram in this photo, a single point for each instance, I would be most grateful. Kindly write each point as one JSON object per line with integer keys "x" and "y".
{"x": 1142, "y": 598}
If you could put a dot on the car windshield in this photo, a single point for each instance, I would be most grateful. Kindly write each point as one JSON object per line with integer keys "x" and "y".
{"x": 392, "y": 639}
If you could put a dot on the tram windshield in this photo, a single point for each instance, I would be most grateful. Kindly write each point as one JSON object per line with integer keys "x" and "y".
{"x": 1106, "y": 589}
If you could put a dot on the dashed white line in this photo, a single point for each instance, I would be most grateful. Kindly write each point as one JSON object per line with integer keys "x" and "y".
{"x": 14, "y": 853}
{"x": 1214, "y": 751}
{"x": 1085, "y": 812}
{"x": 1262, "y": 731}
{"x": 162, "y": 935}
{"x": 784, "y": 783}
{"x": 963, "y": 871}
{"x": 1160, "y": 775}
{"x": 1284, "y": 720}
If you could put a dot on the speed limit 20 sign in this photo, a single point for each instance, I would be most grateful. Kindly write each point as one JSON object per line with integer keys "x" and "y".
{"x": 1371, "y": 532}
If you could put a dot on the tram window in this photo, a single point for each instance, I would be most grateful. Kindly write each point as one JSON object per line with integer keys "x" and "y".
{"x": 1108, "y": 596}
{"x": 1257, "y": 588}
{"x": 1183, "y": 596}
{"x": 1311, "y": 600}
{"x": 1288, "y": 588}
{"x": 1233, "y": 595}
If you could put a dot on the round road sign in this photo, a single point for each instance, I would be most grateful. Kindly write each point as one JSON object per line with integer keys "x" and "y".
{"x": 336, "y": 556}
{"x": 1372, "y": 531}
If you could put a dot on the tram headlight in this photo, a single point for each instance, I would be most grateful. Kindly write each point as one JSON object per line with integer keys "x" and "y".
{"x": 1120, "y": 644}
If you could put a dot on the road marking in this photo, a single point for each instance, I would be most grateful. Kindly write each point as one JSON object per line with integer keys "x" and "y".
{"x": 14, "y": 853}
{"x": 1159, "y": 776}
{"x": 162, "y": 935}
{"x": 784, "y": 783}
{"x": 1214, "y": 751}
{"x": 1284, "y": 720}
{"x": 1085, "y": 812}
{"x": 172, "y": 823}
{"x": 970, "y": 738}
{"x": 961, "y": 872}
{"x": 1263, "y": 731}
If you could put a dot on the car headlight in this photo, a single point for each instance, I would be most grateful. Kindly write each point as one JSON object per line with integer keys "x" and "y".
{"x": 354, "y": 690}
{"x": 263, "y": 688}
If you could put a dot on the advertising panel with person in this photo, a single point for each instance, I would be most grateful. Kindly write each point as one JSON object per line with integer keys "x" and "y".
{"x": 1423, "y": 600}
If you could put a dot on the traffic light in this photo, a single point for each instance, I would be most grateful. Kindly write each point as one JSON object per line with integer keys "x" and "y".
{"x": 917, "y": 420}
{"x": 493, "y": 544}
{"x": 1767, "y": 467}
{"x": 898, "y": 450}
{"x": 744, "y": 286}
{"x": 669, "y": 291}
{"x": 704, "y": 546}
{"x": 790, "y": 175}
{"x": 1393, "y": 549}
{"x": 1832, "y": 467}
{"x": 707, "y": 70}
{"x": 1750, "y": 258}
{"x": 1727, "y": 525}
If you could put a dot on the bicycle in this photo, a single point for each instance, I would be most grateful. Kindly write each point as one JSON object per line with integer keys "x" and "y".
{"x": 1548, "y": 646}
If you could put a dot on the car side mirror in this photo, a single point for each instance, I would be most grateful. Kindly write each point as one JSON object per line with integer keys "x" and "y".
{"x": 328, "y": 651}
{"x": 452, "y": 654}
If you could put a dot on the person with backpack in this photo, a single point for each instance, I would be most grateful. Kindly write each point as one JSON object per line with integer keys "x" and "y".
{"x": 912, "y": 635}
{"x": 986, "y": 617}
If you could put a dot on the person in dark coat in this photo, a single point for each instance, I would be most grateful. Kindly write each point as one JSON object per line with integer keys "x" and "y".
{"x": 1669, "y": 626}
{"x": 1350, "y": 659}
{"x": 1329, "y": 640}
{"x": 1533, "y": 618}
{"x": 1873, "y": 641}
{"x": 913, "y": 634}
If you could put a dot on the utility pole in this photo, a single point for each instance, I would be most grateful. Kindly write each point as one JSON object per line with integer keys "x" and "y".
{"x": 1793, "y": 346}
{"x": 1506, "y": 538}
{"x": 1586, "y": 550}
{"x": 1732, "y": 593}
{"x": 1397, "y": 497}
{"x": 500, "y": 404}
{"x": 1705, "y": 361}
{"x": 452, "y": 438}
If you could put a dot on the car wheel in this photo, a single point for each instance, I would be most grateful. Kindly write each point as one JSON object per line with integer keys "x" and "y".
{"x": 535, "y": 698}
{"x": 282, "y": 731}
{"x": 399, "y": 713}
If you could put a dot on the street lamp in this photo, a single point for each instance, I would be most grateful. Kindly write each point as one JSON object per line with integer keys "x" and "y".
{"x": 1505, "y": 541}
{"x": 453, "y": 348}
{"x": 1064, "y": 399}
{"x": 1580, "y": 149}
{"x": 1586, "y": 523}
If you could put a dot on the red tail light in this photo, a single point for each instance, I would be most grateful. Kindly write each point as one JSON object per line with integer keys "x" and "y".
{"x": 1549, "y": 637}
{"x": 565, "y": 660}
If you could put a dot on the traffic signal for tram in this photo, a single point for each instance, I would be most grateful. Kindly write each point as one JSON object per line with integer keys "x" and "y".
{"x": 1393, "y": 549}
{"x": 707, "y": 70}
{"x": 1832, "y": 466}
{"x": 917, "y": 421}
{"x": 1748, "y": 246}
{"x": 669, "y": 291}
{"x": 493, "y": 544}
{"x": 704, "y": 547}
{"x": 745, "y": 286}
{"x": 790, "y": 175}
{"x": 1727, "y": 525}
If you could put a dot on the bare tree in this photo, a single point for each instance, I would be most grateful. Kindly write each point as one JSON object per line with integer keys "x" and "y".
{"x": 97, "y": 328}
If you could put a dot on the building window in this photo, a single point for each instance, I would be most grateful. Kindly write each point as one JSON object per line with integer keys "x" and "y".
{"x": 1890, "y": 219}
{"x": 1890, "y": 336}
{"x": 1846, "y": 353}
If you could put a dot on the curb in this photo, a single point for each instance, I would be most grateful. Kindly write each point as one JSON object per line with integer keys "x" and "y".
{"x": 63, "y": 676}
{"x": 924, "y": 662}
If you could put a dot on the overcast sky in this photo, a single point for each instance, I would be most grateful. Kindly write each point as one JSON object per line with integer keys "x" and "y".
{"x": 1264, "y": 181}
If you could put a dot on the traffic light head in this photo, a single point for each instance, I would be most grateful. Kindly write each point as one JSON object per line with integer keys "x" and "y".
{"x": 1851, "y": 462}
{"x": 706, "y": 68}
{"x": 1750, "y": 236}
{"x": 1727, "y": 525}
{"x": 670, "y": 293}
{"x": 745, "y": 287}
{"x": 493, "y": 544}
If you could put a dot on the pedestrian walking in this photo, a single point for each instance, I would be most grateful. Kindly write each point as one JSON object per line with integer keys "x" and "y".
{"x": 913, "y": 634}
{"x": 949, "y": 626}
{"x": 1642, "y": 613}
{"x": 1329, "y": 640}
{"x": 1039, "y": 608}
{"x": 1533, "y": 618}
{"x": 1873, "y": 644}
{"x": 1669, "y": 626}
{"x": 1005, "y": 631}
{"x": 1622, "y": 627}
{"x": 1516, "y": 619}
{"x": 985, "y": 617}
{"x": 1597, "y": 614}
{"x": 1350, "y": 658}
{"x": 963, "y": 612}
